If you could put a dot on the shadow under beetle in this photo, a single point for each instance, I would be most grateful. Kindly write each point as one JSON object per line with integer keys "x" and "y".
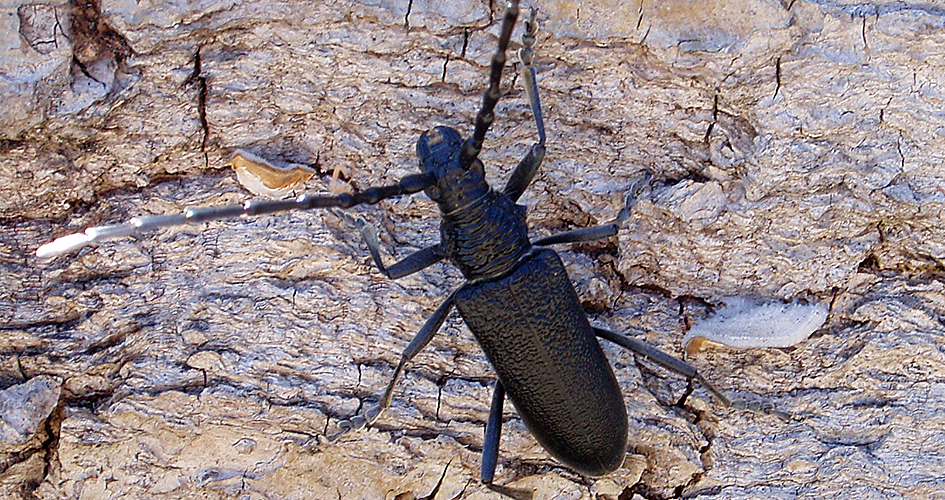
{"x": 517, "y": 299}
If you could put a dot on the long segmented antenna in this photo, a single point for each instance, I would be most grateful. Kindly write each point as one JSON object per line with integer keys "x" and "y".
{"x": 490, "y": 98}
{"x": 139, "y": 225}
{"x": 408, "y": 185}
{"x": 526, "y": 54}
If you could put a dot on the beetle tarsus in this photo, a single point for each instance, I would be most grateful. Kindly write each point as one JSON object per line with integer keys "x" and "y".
{"x": 514, "y": 493}
{"x": 768, "y": 408}
{"x": 640, "y": 188}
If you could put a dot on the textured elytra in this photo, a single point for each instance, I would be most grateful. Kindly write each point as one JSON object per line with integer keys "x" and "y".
{"x": 817, "y": 172}
{"x": 532, "y": 329}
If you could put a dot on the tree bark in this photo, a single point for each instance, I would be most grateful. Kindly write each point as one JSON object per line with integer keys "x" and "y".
{"x": 797, "y": 151}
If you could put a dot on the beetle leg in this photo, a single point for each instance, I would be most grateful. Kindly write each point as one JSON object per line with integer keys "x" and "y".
{"x": 639, "y": 188}
{"x": 679, "y": 366}
{"x": 526, "y": 54}
{"x": 414, "y": 262}
{"x": 490, "y": 448}
{"x": 423, "y": 337}
{"x": 525, "y": 172}
{"x": 591, "y": 233}
{"x": 659, "y": 357}
{"x": 490, "y": 443}
{"x": 762, "y": 407}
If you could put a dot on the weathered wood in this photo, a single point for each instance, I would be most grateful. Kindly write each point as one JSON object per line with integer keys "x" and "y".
{"x": 799, "y": 148}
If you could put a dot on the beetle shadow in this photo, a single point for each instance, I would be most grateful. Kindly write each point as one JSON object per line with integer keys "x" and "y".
{"x": 516, "y": 493}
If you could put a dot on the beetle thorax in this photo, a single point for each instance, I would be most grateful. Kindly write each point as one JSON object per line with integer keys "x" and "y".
{"x": 483, "y": 233}
{"x": 486, "y": 239}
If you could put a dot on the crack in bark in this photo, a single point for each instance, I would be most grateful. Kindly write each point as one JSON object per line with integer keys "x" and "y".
{"x": 92, "y": 37}
{"x": 439, "y": 484}
{"x": 196, "y": 78}
{"x": 462, "y": 52}
{"x": 866, "y": 45}
{"x": 85, "y": 71}
{"x": 51, "y": 444}
{"x": 715, "y": 117}
{"x": 902, "y": 157}
{"x": 882, "y": 111}
{"x": 407, "y": 15}
{"x": 49, "y": 447}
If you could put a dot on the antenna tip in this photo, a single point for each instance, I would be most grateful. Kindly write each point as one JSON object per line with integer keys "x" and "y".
{"x": 63, "y": 245}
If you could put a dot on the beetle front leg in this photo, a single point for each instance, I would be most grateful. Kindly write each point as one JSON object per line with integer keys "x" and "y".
{"x": 593, "y": 233}
{"x": 410, "y": 264}
{"x": 423, "y": 337}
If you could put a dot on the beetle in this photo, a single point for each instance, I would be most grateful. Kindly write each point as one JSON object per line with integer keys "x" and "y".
{"x": 517, "y": 298}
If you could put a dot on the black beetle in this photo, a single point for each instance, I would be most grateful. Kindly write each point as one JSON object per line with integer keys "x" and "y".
{"x": 517, "y": 299}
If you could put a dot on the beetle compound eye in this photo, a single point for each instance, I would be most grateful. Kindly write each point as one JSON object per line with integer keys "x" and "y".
{"x": 433, "y": 192}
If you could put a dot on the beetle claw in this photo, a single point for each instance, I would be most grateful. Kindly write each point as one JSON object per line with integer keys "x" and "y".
{"x": 359, "y": 421}
{"x": 640, "y": 188}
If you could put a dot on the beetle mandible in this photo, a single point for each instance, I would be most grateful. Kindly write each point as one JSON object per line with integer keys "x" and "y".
{"x": 517, "y": 299}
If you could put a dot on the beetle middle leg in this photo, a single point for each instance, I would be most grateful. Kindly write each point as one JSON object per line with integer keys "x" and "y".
{"x": 423, "y": 337}
{"x": 637, "y": 190}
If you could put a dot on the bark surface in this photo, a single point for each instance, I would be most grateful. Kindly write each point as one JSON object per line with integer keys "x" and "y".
{"x": 798, "y": 149}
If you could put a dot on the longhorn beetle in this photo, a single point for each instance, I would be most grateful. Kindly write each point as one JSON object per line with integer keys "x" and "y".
{"x": 517, "y": 299}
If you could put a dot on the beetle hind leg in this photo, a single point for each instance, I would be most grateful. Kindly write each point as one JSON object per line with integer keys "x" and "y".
{"x": 659, "y": 357}
{"x": 688, "y": 371}
{"x": 490, "y": 442}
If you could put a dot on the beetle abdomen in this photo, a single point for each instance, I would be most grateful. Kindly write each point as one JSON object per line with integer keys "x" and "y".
{"x": 532, "y": 328}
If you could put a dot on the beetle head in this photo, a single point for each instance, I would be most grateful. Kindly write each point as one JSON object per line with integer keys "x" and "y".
{"x": 440, "y": 150}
